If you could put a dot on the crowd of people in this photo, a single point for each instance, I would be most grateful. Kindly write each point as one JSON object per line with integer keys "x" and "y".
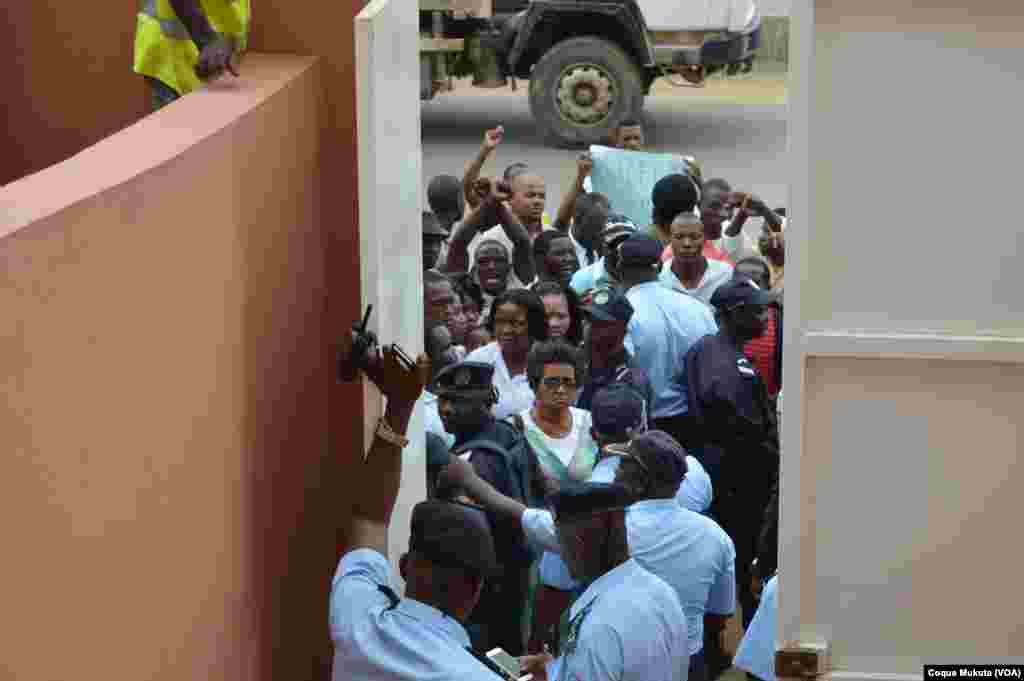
{"x": 601, "y": 415}
{"x": 600, "y": 403}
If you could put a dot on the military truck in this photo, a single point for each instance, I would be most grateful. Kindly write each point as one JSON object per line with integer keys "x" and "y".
{"x": 588, "y": 63}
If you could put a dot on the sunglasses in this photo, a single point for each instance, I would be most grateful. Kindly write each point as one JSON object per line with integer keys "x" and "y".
{"x": 555, "y": 382}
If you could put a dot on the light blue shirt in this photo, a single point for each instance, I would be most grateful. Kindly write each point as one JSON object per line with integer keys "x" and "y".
{"x": 664, "y": 325}
{"x": 589, "y": 277}
{"x": 688, "y": 550}
{"x": 373, "y": 641}
{"x": 756, "y": 653}
{"x": 633, "y": 630}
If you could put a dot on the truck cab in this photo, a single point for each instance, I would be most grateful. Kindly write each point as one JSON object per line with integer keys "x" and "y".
{"x": 589, "y": 63}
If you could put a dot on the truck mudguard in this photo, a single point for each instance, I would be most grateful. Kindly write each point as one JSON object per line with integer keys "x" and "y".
{"x": 547, "y": 22}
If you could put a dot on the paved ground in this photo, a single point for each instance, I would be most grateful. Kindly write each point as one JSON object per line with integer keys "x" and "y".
{"x": 736, "y": 128}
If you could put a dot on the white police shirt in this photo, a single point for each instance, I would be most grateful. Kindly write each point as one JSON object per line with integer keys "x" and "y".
{"x": 756, "y": 652}
{"x": 627, "y": 626}
{"x": 514, "y": 392}
{"x": 695, "y": 493}
{"x": 374, "y": 640}
{"x": 688, "y": 550}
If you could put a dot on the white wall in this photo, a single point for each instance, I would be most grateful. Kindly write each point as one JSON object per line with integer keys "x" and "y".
{"x": 775, "y": 8}
{"x": 904, "y": 335}
{"x": 390, "y": 200}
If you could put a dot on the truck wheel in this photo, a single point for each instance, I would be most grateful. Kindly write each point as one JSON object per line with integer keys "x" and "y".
{"x": 581, "y": 88}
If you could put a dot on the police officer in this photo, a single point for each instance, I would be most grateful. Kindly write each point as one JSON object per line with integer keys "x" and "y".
{"x": 376, "y": 634}
{"x": 628, "y": 623}
{"x": 689, "y": 551}
{"x": 604, "y": 272}
{"x": 608, "y": 360}
{"x": 498, "y": 453}
{"x": 618, "y": 415}
{"x": 735, "y": 419}
{"x": 664, "y": 326}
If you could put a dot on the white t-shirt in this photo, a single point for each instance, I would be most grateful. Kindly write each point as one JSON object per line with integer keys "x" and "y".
{"x": 564, "y": 447}
{"x": 717, "y": 273}
{"x": 514, "y": 392}
{"x": 552, "y": 570}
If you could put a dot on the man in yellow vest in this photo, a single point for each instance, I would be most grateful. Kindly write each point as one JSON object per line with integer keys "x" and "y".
{"x": 179, "y": 44}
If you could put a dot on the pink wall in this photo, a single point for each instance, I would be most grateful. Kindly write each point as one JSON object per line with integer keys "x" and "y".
{"x": 66, "y": 70}
{"x": 171, "y": 504}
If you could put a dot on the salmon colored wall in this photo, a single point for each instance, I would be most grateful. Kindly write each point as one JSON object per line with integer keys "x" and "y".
{"x": 326, "y": 30}
{"x": 169, "y": 509}
{"x": 66, "y": 70}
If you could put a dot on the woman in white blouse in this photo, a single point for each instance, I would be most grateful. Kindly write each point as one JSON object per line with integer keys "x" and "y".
{"x": 517, "y": 320}
{"x": 560, "y": 436}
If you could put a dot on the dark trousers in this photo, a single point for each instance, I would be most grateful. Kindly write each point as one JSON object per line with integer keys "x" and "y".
{"x": 496, "y": 621}
{"x": 162, "y": 94}
{"x": 697, "y": 669}
{"x": 740, "y": 515}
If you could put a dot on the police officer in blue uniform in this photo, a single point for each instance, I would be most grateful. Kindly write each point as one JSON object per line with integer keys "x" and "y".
{"x": 377, "y": 635}
{"x": 609, "y": 361}
{"x": 499, "y": 454}
{"x": 736, "y": 423}
{"x": 628, "y": 623}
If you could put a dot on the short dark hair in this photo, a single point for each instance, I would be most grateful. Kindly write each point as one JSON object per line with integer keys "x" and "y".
{"x": 717, "y": 183}
{"x": 629, "y": 123}
{"x": 552, "y": 352}
{"x": 542, "y": 244}
{"x": 672, "y": 195}
{"x": 536, "y": 316}
{"x": 572, "y": 301}
{"x": 586, "y": 203}
{"x": 514, "y": 170}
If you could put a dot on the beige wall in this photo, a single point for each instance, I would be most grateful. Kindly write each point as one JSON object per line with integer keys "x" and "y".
{"x": 904, "y": 346}
{"x": 171, "y": 508}
{"x": 67, "y": 77}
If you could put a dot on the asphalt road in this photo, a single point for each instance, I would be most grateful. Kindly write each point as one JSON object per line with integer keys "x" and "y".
{"x": 733, "y": 129}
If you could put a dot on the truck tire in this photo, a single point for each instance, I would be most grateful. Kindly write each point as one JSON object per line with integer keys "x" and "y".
{"x": 581, "y": 88}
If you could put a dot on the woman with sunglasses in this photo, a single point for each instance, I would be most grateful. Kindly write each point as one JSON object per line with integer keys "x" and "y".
{"x": 560, "y": 436}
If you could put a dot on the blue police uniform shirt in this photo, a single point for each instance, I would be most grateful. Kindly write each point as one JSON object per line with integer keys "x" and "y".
{"x": 374, "y": 640}
{"x": 627, "y": 626}
{"x": 665, "y": 324}
{"x": 589, "y": 277}
{"x": 689, "y": 551}
{"x": 756, "y": 652}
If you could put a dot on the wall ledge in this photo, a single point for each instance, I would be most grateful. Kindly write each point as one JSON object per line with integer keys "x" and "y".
{"x": 150, "y": 143}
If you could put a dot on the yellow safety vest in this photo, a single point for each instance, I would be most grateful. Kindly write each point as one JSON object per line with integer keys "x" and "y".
{"x": 164, "y": 49}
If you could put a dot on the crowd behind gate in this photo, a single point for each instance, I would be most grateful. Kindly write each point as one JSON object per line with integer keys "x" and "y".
{"x": 602, "y": 402}
{"x": 601, "y": 407}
